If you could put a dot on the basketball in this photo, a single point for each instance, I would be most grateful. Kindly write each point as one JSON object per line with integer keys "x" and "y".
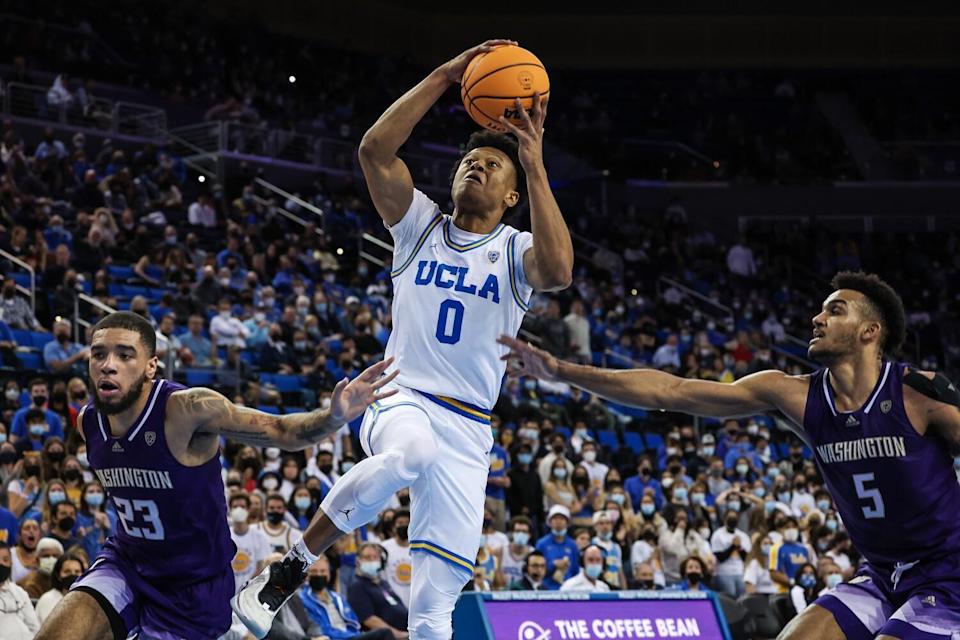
{"x": 494, "y": 80}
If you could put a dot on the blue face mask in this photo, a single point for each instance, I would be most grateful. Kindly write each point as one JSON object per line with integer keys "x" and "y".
{"x": 593, "y": 570}
{"x": 559, "y": 532}
{"x": 95, "y": 499}
{"x": 783, "y": 496}
{"x": 3, "y": 438}
{"x": 647, "y": 509}
{"x": 56, "y": 497}
{"x": 525, "y": 458}
{"x": 823, "y": 505}
{"x": 619, "y": 498}
{"x": 759, "y": 492}
{"x": 38, "y": 429}
{"x": 733, "y": 506}
{"x": 680, "y": 493}
{"x": 833, "y": 580}
{"x": 806, "y": 581}
{"x": 521, "y": 538}
{"x": 370, "y": 568}
{"x": 697, "y": 498}
{"x": 769, "y": 506}
{"x": 773, "y": 472}
{"x": 831, "y": 525}
{"x": 302, "y": 502}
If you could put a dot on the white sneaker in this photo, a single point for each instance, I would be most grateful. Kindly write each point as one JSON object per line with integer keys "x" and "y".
{"x": 258, "y": 602}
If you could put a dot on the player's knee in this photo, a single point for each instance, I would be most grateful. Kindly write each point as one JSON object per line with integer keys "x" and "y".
{"x": 418, "y": 458}
{"x": 432, "y": 628}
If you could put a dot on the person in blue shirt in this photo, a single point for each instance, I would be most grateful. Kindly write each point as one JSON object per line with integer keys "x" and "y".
{"x": 94, "y": 521}
{"x": 40, "y": 394}
{"x": 498, "y": 482}
{"x": 563, "y": 557}
{"x": 62, "y": 355}
{"x": 38, "y": 431}
{"x": 727, "y": 438}
{"x": 8, "y": 527}
{"x": 634, "y": 485}
{"x": 693, "y": 572}
{"x": 200, "y": 346}
{"x": 329, "y": 613}
{"x": 787, "y": 557}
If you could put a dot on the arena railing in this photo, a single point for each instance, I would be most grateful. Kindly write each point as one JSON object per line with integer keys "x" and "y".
{"x": 79, "y": 321}
{"x": 725, "y": 312}
{"x": 32, "y": 291}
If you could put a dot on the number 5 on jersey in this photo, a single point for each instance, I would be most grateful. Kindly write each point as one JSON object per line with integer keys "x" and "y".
{"x": 876, "y": 510}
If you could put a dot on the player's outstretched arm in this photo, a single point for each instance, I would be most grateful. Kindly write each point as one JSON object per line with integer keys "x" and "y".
{"x": 388, "y": 179}
{"x": 548, "y": 264}
{"x": 210, "y": 412}
{"x": 653, "y": 389}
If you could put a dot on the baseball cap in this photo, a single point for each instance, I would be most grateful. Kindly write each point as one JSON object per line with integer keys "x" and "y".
{"x": 601, "y": 516}
{"x": 558, "y": 509}
{"x": 352, "y": 300}
{"x": 708, "y": 439}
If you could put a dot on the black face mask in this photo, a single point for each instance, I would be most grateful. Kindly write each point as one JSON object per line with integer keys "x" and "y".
{"x": 4, "y": 573}
{"x": 731, "y": 524}
{"x": 645, "y": 584}
{"x": 79, "y": 395}
{"x": 694, "y": 578}
{"x": 8, "y": 457}
{"x": 404, "y": 500}
{"x": 71, "y": 474}
{"x": 644, "y": 471}
{"x": 63, "y": 337}
{"x": 274, "y": 517}
{"x": 66, "y": 524}
{"x": 402, "y": 532}
{"x": 39, "y": 400}
{"x": 318, "y": 583}
{"x": 326, "y": 469}
{"x": 67, "y": 582}
{"x": 32, "y": 470}
{"x": 55, "y": 456}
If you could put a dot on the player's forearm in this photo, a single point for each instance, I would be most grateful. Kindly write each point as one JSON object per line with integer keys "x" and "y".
{"x": 305, "y": 429}
{"x": 552, "y": 245}
{"x": 647, "y": 388}
{"x": 391, "y": 130}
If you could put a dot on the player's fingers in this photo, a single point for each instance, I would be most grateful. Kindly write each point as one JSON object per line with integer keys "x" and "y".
{"x": 498, "y": 41}
{"x": 385, "y": 394}
{"x": 512, "y": 128}
{"x": 377, "y": 370}
{"x": 386, "y": 379}
{"x": 527, "y": 122}
{"x": 337, "y": 390}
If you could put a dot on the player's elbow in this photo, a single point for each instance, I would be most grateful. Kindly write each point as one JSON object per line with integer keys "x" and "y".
{"x": 372, "y": 150}
{"x": 557, "y": 278}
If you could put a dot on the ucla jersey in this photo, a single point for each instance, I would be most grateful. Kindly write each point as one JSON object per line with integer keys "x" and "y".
{"x": 455, "y": 293}
{"x": 173, "y": 518}
{"x": 896, "y": 490}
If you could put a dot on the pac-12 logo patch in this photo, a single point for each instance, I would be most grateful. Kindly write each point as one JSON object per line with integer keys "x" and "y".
{"x": 493, "y": 256}
{"x": 930, "y": 601}
{"x": 885, "y": 406}
{"x": 150, "y": 437}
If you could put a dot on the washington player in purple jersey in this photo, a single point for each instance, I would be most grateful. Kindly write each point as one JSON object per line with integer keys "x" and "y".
{"x": 154, "y": 446}
{"x": 882, "y": 433}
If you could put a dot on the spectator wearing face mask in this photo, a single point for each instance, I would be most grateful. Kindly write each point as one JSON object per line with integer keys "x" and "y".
{"x": 94, "y": 524}
{"x": 398, "y": 568}
{"x": 252, "y": 546}
{"x": 514, "y": 554}
{"x": 806, "y": 587}
{"x": 327, "y": 613}
{"x": 612, "y": 553}
{"x": 597, "y": 471}
{"x": 787, "y": 557}
{"x": 589, "y": 577}
{"x": 15, "y": 310}
{"x": 62, "y": 355}
{"x": 643, "y": 578}
{"x": 375, "y": 603}
{"x": 18, "y": 620}
{"x": 548, "y": 462}
{"x": 693, "y": 574}
{"x": 558, "y": 488}
{"x": 65, "y": 571}
{"x": 40, "y": 396}
{"x": 756, "y": 574}
{"x": 730, "y": 545}
{"x": 202, "y": 350}
{"x": 635, "y": 485}
{"x": 839, "y": 546}
{"x": 63, "y": 520}
{"x": 38, "y": 582}
{"x": 525, "y": 495}
{"x": 280, "y": 534}
{"x": 225, "y": 329}
{"x": 498, "y": 481}
{"x": 559, "y": 549}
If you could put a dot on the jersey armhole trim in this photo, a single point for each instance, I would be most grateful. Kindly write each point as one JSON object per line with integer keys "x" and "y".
{"x": 416, "y": 248}
{"x": 512, "y": 267}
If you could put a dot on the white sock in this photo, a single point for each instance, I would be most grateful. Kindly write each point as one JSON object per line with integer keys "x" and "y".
{"x": 303, "y": 554}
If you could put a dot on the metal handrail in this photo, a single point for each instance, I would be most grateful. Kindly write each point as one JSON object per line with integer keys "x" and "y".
{"x": 699, "y": 296}
{"x": 269, "y": 186}
{"x": 608, "y": 353}
{"x": 286, "y": 214}
{"x": 82, "y": 297}
{"x": 33, "y": 278}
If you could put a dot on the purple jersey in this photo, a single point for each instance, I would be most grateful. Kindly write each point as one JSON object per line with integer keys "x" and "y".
{"x": 895, "y": 489}
{"x": 172, "y": 518}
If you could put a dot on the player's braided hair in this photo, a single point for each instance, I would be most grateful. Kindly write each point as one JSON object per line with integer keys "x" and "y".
{"x": 506, "y": 144}
{"x": 885, "y": 303}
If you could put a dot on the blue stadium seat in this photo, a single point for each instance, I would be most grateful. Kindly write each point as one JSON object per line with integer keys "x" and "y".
{"x": 784, "y": 449}
{"x": 267, "y": 408}
{"x": 653, "y": 440}
{"x": 764, "y": 420}
{"x": 712, "y": 422}
{"x": 30, "y": 360}
{"x": 287, "y": 383}
{"x": 608, "y": 438}
{"x": 154, "y": 294}
{"x": 22, "y": 337}
{"x": 40, "y": 338}
{"x": 633, "y": 440}
{"x": 22, "y": 279}
{"x": 120, "y": 271}
{"x": 200, "y": 377}
{"x": 633, "y": 412}
{"x": 155, "y": 272}
{"x": 564, "y": 431}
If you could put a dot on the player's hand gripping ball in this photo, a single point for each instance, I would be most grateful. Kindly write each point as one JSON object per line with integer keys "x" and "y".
{"x": 493, "y": 81}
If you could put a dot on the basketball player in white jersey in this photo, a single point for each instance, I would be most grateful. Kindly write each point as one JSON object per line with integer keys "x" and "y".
{"x": 459, "y": 281}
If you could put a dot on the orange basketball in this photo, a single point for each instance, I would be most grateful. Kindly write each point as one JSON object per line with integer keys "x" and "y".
{"x": 494, "y": 80}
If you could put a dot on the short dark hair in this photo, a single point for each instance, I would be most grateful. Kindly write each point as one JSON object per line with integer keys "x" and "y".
{"x": 506, "y": 144}
{"x": 885, "y": 302}
{"x": 401, "y": 513}
{"x": 36, "y": 381}
{"x": 132, "y": 322}
{"x": 532, "y": 554}
{"x": 243, "y": 495}
{"x": 698, "y": 560}
{"x": 34, "y": 415}
{"x": 524, "y": 520}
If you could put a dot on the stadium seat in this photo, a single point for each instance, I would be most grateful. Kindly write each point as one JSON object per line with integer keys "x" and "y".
{"x": 784, "y": 449}
{"x": 633, "y": 412}
{"x": 22, "y": 279}
{"x": 608, "y": 438}
{"x": 782, "y": 607}
{"x": 22, "y": 337}
{"x": 38, "y": 339}
{"x": 763, "y": 622}
{"x": 30, "y": 360}
{"x": 764, "y": 420}
{"x": 200, "y": 377}
{"x": 268, "y": 408}
{"x": 120, "y": 271}
{"x": 564, "y": 431}
{"x": 287, "y": 383}
{"x": 633, "y": 440}
{"x": 653, "y": 440}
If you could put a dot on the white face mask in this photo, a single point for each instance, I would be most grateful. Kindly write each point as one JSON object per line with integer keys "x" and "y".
{"x": 46, "y": 564}
{"x": 239, "y": 514}
{"x": 272, "y": 453}
{"x": 589, "y": 456}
